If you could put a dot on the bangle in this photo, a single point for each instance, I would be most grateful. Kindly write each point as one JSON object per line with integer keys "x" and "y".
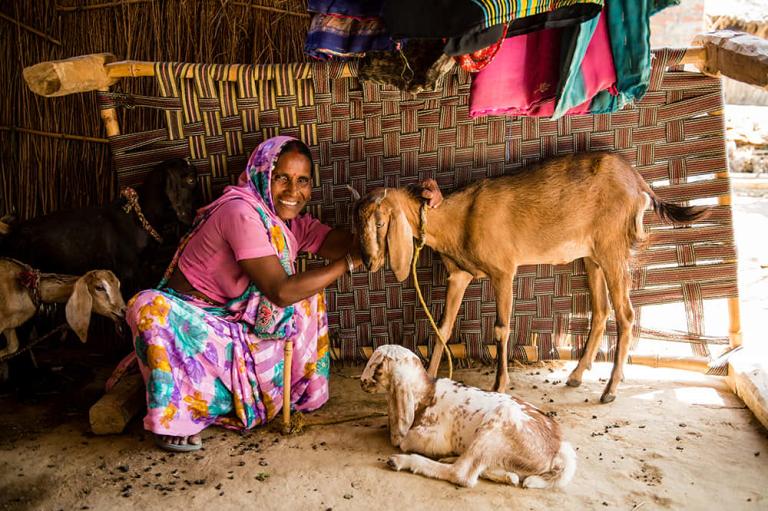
{"x": 350, "y": 263}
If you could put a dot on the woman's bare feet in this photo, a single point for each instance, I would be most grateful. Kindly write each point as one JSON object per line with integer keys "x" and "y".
{"x": 179, "y": 443}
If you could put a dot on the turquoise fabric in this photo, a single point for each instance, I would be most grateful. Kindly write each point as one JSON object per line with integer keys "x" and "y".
{"x": 631, "y": 46}
{"x": 573, "y": 92}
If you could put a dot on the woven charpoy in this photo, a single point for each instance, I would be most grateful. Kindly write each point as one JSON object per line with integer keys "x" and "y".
{"x": 367, "y": 135}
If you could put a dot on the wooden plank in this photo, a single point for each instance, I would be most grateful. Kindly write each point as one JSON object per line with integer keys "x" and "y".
{"x": 736, "y": 55}
{"x": 62, "y": 77}
{"x": 116, "y": 408}
{"x": 748, "y": 378}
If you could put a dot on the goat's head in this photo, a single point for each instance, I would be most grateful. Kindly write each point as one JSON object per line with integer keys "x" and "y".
{"x": 97, "y": 291}
{"x": 383, "y": 228}
{"x": 169, "y": 191}
{"x": 180, "y": 183}
{"x": 384, "y": 363}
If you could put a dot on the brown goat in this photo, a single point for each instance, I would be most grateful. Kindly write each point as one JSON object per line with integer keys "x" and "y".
{"x": 97, "y": 291}
{"x": 586, "y": 205}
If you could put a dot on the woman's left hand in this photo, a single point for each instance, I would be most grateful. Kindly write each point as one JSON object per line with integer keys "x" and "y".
{"x": 431, "y": 192}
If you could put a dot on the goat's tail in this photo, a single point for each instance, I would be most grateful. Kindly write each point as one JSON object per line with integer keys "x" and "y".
{"x": 672, "y": 213}
{"x": 565, "y": 464}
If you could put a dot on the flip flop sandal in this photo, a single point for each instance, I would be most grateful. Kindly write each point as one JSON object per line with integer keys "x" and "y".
{"x": 176, "y": 447}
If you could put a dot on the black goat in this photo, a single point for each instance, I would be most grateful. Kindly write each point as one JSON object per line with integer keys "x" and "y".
{"x": 78, "y": 240}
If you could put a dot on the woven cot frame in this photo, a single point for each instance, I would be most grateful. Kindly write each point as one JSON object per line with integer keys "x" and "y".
{"x": 367, "y": 136}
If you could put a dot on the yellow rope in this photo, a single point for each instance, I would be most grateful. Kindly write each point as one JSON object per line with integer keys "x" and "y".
{"x": 419, "y": 245}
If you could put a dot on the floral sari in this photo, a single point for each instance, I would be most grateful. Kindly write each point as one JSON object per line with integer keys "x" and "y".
{"x": 223, "y": 364}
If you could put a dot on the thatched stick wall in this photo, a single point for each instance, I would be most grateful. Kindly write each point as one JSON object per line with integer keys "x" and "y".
{"x": 53, "y": 153}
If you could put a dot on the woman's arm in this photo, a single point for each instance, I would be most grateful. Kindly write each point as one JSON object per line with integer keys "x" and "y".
{"x": 336, "y": 245}
{"x": 339, "y": 242}
{"x": 282, "y": 289}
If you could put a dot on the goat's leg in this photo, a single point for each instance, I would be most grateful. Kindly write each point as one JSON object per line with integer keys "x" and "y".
{"x": 12, "y": 342}
{"x": 599, "y": 296}
{"x": 428, "y": 440}
{"x": 464, "y": 472}
{"x": 497, "y": 475}
{"x": 618, "y": 287}
{"x": 458, "y": 280}
{"x": 502, "y": 285}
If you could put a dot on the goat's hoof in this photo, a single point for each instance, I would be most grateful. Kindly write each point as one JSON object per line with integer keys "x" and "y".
{"x": 607, "y": 398}
{"x": 573, "y": 382}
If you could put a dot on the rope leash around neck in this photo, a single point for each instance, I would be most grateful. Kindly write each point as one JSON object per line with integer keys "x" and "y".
{"x": 417, "y": 249}
{"x": 132, "y": 204}
{"x": 29, "y": 278}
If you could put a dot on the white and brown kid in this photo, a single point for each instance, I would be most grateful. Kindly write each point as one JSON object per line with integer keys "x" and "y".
{"x": 495, "y": 436}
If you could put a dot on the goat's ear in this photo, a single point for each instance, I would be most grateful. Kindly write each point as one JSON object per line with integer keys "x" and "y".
{"x": 402, "y": 408}
{"x": 400, "y": 245}
{"x": 78, "y": 310}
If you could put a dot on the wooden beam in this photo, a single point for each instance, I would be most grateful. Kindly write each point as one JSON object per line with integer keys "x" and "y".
{"x": 77, "y": 74}
{"x": 117, "y": 407}
{"x": 748, "y": 378}
{"x": 91, "y": 72}
{"x": 736, "y": 55}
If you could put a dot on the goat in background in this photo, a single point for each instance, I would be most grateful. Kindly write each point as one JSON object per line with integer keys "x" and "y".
{"x": 97, "y": 291}
{"x": 496, "y": 436}
{"x": 78, "y": 240}
{"x": 585, "y": 205}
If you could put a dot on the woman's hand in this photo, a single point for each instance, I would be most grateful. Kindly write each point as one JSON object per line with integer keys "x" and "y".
{"x": 431, "y": 192}
{"x": 355, "y": 252}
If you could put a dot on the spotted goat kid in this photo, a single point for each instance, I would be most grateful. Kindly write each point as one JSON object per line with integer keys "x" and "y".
{"x": 495, "y": 436}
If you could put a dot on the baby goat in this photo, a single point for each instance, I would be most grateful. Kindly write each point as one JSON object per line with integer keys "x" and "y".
{"x": 97, "y": 291}
{"x": 585, "y": 205}
{"x": 496, "y": 436}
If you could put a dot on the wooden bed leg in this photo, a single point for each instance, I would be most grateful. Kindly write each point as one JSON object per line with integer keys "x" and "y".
{"x": 117, "y": 407}
{"x": 734, "y": 309}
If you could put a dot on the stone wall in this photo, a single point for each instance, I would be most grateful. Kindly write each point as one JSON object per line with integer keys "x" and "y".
{"x": 676, "y": 26}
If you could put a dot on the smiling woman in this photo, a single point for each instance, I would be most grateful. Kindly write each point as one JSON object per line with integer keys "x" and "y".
{"x": 209, "y": 340}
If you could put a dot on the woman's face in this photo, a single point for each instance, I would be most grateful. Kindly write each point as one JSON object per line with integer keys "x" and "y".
{"x": 291, "y": 184}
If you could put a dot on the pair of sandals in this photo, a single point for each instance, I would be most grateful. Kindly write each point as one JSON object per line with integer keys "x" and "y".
{"x": 168, "y": 446}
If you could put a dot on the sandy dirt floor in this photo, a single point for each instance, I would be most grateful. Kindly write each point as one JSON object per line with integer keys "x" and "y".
{"x": 672, "y": 440}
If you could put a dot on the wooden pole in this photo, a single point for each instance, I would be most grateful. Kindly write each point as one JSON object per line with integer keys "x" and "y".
{"x": 65, "y": 136}
{"x": 109, "y": 116}
{"x": 734, "y": 308}
{"x": 91, "y": 72}
{"x": 117, "y": 407}
{"x": 30, "y": 29}
{"x": 287, "y": 364}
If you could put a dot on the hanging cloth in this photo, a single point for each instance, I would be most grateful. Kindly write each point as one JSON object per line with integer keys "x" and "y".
{"x": 427, "y": 19}
{"x": 629, "y": 29}
{"x": 521, "y": 82}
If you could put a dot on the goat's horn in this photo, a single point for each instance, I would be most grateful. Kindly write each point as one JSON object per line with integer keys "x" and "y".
{"x": 381, "y": 197}
{"x": 355, "y": 193}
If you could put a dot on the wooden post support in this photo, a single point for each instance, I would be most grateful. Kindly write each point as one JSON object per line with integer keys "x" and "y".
{"x": 78, "y": 74}
{"x": 736, "y": 55}
{"x": 287, "y": 364}
{"x": 117, "y": 407}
